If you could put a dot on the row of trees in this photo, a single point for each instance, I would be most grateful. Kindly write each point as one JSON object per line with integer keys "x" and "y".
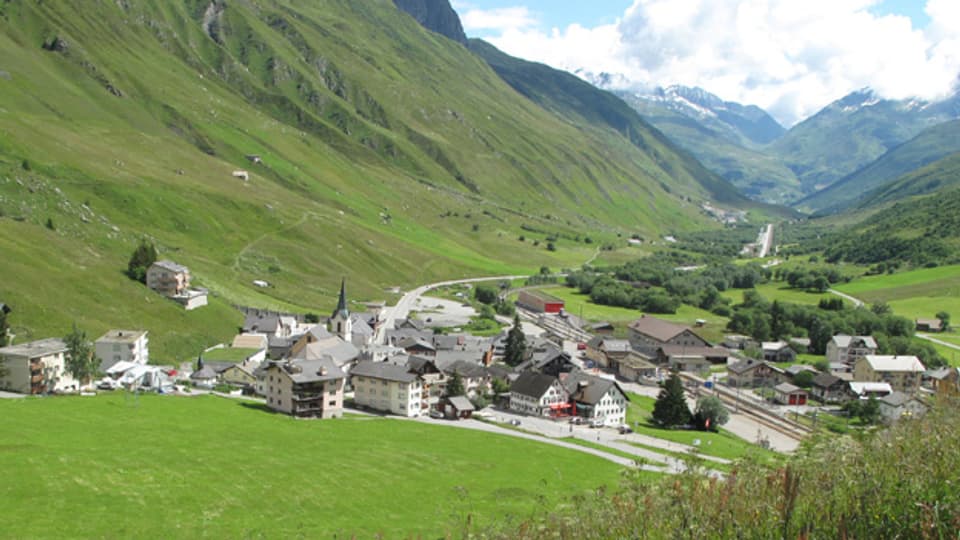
{"x": 671, "y": 410}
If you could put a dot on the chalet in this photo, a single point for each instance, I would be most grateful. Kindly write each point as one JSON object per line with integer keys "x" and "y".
{"x": 417, "y": 347}
{"x": 239, "y": 375}
{"x": 847, "y": 349}
{"x": 944, "y": 381}
{"x": 122, "y": 346}
{"x": 305, "y": 388}
{"x": 539, "y": 301}
{"x": 597, "y": 398}
{"x": 476, "y": 378}
{"x": 318, "y": 342}
{"x": 637, "y": 366}
{"x": 387, "y": 387}
{"x": 458, "y": 407}
{"x": 828, "y": 388}
{"x": 739, "y": 342}
{"x": 538, "y": 394}
{"x": 788, "y": 394}
{"x": 902, "y": 372}
{"x": 270, "y": 324}
{"x": 752, "y": 373}
{"x": 168, "y": 278}
{"x": 929, "y": 325}
{"x": 37, "y": 367}
{"x": 551, "y": 361}
{"x": 897, "y": 405}
{"x": 647, "y": 334}
{"x": 778, "y": 351}
{"x": 867, "y": 390}
{"x": 433, "y": 381}
{"x": 607, "y": 352}
{"x": 841, "y": 370}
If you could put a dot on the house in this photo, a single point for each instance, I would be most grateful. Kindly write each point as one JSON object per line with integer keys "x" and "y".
{"x": 829, "y": 388}
{"x": 778, "y": 351}
{"x": 250, "y": 341}
{"x": 929, "y": 325}
{"x": 475, "y": 377}
{"x": 318, "y": 342}
{"x": 897, "y": 405}
{"x": 796, "y": 369}
{"x": 606, "y": 352}
{"x": 712, "y": 355}
{"x": 37, "y": 367}
{"x": 847, "y": 349}
{"x": 458, "y": 407}
{"x": 410, "y": 324}
{"x": 800, "y": 344}
{"x": 122, "y": 346}
{"x": 305, "y": 388}
{"x": 841, "y": 370}
{"x": 433, "y": 381}
{"x": 944, "y": 381}
{"x": 902, "y": 372}
{"x": 636, "y": 366}
{"x": 691, "y": 363}
{"x": 239, "y": 375}
{"x": 539, "y": 301}
{"x": 270, "y": 324}
{"x": 739, "y": 342}
{"x": 417, "y": 347}
{"x": 867, "y": 390}
{"x": 597, "y": 398}
{"x": 539, "y": 395}
{"x": 602, "y": 328}
{"x": 549, "y": 361}
{"x": 168, "y": 278}
{"x": 788, "y": 394}
{"x": 647, "y": 334}
{"x": 753, "y": 373}
{"x": 173, "y": 281}
{"x": 387, "y": 387}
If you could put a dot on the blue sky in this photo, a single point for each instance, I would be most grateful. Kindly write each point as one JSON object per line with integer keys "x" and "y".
{"x": 791, "y": 57}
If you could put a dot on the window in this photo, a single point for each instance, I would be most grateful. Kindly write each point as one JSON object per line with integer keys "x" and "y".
{"x": 332, "y": 403}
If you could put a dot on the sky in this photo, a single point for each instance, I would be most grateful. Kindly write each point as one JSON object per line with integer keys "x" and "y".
{"x": 791, "y": 57}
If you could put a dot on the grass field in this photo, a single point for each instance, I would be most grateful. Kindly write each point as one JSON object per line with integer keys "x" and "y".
{"x": 720, "y": 444}
{"x": 914, "y": 294}
{"x": 779, "y": 291}
{"x": 165, "y": 467}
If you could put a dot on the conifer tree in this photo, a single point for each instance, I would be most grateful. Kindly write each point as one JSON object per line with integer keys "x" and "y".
{"x": 671, "y": 408}
{"x": 516, "y": 344}
{"x": 455, "y": 386}
{"x": 143, "y": 257}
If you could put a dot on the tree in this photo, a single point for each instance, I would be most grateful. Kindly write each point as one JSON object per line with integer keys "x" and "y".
{"x": 485, "y": 294}
{"x": 944, "y": 320}
{"x": 3, "y": 329}
{"x": 79, "y": 360}
{"x": 804, "y": 379}
{"x": 711, "y": 413}
{"x": 500, "y": 386}
{"x": 671, "y": 409}
{"x": 49, "y": 224}
{"x": 516, "y": 349}
{"x": 455, "y": 386}
{"x": 143, "y": 257}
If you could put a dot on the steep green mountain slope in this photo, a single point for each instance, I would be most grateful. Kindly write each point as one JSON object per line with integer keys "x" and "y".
{"x": 854, "y": 131}
{"x": 390, "y": 155}
{"x": 941, "y": 175}
{"x": 754, "y": 173}
{"x": 571, "y": 97}
{"x": 929, "y": 146}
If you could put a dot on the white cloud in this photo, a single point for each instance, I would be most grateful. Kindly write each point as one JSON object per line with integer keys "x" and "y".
{"x": 502, "y": 19}
{"x": 788, "y": 56}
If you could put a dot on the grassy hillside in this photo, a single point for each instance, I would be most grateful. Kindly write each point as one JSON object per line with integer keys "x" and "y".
{"x": 390, "y": 155}
{"x": 876, "y": 180}
{"x": 235, "y": 470}
{"x": 941, "y": 175}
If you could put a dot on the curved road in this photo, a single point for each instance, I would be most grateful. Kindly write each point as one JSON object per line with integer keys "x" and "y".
{"x": 856, "y": 301}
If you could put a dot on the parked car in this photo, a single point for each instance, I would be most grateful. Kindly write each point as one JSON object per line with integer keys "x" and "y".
{"x": 597, "y": 423}
{"x": 581, "y": 346}
{"x": 514, "y": 422}
{"x": 624, "y": 429}
{"x": 107, "y": 384}
{"x": 436, "y": 414}
{"x": 576, "y": 420}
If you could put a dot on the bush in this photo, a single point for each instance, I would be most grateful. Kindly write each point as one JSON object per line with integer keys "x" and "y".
{"x": 485, "y": 294}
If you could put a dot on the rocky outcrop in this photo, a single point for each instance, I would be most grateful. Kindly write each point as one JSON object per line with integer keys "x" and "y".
{"x": 435, "y": 15}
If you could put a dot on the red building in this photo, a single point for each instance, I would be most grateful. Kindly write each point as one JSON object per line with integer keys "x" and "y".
{"x": 539, "y": 301}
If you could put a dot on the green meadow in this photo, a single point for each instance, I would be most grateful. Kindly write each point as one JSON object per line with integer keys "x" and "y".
{"x": 913, "y": 294}
{"x": 180, "y": 467}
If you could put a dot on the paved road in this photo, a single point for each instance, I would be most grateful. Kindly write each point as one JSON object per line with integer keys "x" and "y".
{"x": 856, "y": 301}
{"x": 938, "y": 341}
{"x": 409, "y": 299}
{"x": 766, "y": 240}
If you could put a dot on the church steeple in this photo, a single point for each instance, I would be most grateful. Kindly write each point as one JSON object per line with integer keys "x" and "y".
{"x": 340, "y": 323}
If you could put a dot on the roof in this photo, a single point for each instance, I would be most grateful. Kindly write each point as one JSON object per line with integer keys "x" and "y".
{"x": 843, "y": 341}
{"x": 657, "y": 328}
{"x": 206, "y": 373}
{"x": 532, "y": 384}
{"x": 250, "y": 341}
{"x": 942, "y": 373}
{"x": 684, "y": 351}
{"x": 383, "y": 370}
{"x": 415, "y": 342}
{"x": 896, "y": 399}
{"x": 171, "y": 266}
{"x": 461, "y": 403}
{"x": 602, "y": 325}
{"x": 826, "y": 380}
{"x": 341, "y": 351}
{"x": 416, "y": 324}
{"x": 933, "y": 324}
{"x": 589, "y": 389}
{"x": 359, "y": 325}
{"x": 541, "y": 295}
{"x": 787, "y": 388}
{"x": 467, "y": 369}
{"x": 306, "y": 371}
{"x": 798, "y": 368}
{"x": 744, "y": 365}
{"x": 859, "y": 388}
{"x": 616, "y": 345}
{"x": 774, "y": 345}
{"x": 894, "y": 363}
{"x": 35, "y": 349}
{"x": 420, "y": 364}
{"x": 228, "y": 354}
{"x": 122, "y": 336}
{"x": 636, "y": 360}
{"x": 261, "y": 323}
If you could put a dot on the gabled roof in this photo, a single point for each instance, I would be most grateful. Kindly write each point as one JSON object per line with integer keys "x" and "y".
{"x": 359, "y": 325}
{"x": 616, "y": 345}
{"x": 416, "y": 342}
{"x": 589, "y": 389}
{"x": 685, "y": 352}
{"x": 415, "y": 324}
{"x": 341, "y": 351}
{"x": 250, "y": 341}
{"x": 896, "y": 399}
{"x": 121, "y": 336}
{"x": 461, "y": 403}
{"x": 383, "y": 370}
{"x": 307, "y": 371}
{"x": 532, "y": 384}
{"x": 261, "y": 323}
{"x": 844, "y": 341}
{"x": 787, "y": 388}
{"x": 658, "y": 329}
{"x": 171, "y": 266}
{"x": 860, "y": 388}
{"x": 826, "y": 380}
{"x": 421, "y": 365}
{"x": 466, "y": 369}
{"x": 796, "y": 369}
{"x": 909, "y": 364}
{"x": 745, "y": 365}
{"x": 774, "y": 345}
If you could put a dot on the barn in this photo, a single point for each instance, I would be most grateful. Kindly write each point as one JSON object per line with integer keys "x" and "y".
{"x": 539, "y": 301}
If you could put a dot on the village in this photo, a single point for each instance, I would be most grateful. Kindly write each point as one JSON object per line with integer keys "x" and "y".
{"x": 567, "y": 374}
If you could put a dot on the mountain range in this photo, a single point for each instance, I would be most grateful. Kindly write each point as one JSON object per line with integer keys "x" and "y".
{"x": 297, "y": 144}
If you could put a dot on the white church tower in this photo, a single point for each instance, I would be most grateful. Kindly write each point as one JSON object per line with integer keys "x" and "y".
{"x": 340, "y": 320}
